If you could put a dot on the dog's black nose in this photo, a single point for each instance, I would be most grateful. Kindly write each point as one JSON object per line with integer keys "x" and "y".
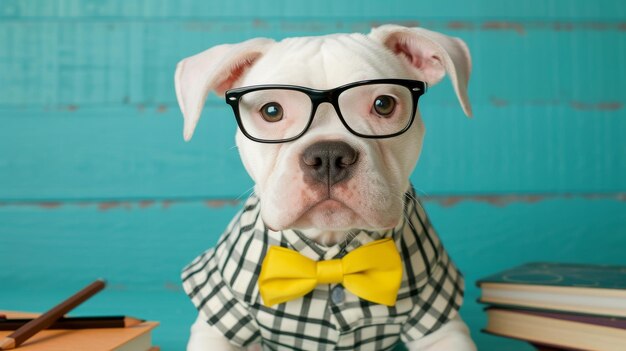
{"x": 328, "y": 162}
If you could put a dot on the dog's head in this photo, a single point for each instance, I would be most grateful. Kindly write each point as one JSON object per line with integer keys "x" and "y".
{"x": 328, "y": 178}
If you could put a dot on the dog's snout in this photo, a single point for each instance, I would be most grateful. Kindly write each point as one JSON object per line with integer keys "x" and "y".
{"x": 329, "y": 162}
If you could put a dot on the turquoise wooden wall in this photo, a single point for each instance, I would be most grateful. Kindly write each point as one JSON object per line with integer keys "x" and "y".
{"x": 96, "y": 181}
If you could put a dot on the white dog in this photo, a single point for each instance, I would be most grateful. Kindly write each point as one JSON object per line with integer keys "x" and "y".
{"x": 323, "y": 189}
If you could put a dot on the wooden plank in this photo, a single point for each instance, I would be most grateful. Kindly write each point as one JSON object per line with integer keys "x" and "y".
{"x": 140, "y": 249}
{"x": 89, "y": 240}
{"x": 98, "y": 240}
{"x": 103, "y": 63}
{"x": 109, "y": 155}
{"x": 608, "y": 9}
{"x": 122, "y": 154}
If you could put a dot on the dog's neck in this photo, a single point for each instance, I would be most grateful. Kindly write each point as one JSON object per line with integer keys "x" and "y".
{"x": 326, "y": 237}
{"x": 333, "y": 237}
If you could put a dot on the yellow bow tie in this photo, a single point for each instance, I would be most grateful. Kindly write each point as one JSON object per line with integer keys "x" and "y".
{"x": 372, "y": 272}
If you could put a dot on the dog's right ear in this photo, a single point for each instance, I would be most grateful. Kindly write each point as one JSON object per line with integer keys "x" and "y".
{"x": 215, "y": 69}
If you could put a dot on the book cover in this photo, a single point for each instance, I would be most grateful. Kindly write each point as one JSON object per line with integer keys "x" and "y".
{"x": 610, "y": 322}
{"x": 562, "y": 275}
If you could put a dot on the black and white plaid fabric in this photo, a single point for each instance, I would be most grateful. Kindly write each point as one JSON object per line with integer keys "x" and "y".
{"x": 222, "y": 284}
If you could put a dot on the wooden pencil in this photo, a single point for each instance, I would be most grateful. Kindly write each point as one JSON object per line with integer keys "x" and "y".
{"x": 76, "y": 322}
{"x": 47, "y": 319}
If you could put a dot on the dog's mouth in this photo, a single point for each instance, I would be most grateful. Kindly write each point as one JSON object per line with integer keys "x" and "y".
{"x": 328, "y": 206}
{"x": 328, "y": 213}
{"x": 331, "y": 207}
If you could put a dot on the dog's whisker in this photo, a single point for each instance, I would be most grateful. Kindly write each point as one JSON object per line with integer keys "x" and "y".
{"x": 351, "y": 234}
{"x": 415, "y": 199}
{"x": 405, "y": 214}
{"x": 249, "y": 193}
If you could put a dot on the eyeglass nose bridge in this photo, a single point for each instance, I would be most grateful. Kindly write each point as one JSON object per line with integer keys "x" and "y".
{"x": 331, "y": 97}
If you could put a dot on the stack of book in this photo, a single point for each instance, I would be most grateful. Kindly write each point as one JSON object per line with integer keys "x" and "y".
{"x": 54, "y": 331}
{"x": 558, "y": 306}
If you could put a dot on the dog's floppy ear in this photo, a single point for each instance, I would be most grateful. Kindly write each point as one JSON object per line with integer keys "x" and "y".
{"x": 432, "y": 53}
{"x": 215, "y": 69}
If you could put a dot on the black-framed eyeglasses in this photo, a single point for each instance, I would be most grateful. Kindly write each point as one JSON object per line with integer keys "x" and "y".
{"x": 380, "y": 108}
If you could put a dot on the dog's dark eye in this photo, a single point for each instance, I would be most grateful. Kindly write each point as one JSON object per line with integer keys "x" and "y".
{"x": 384, "y": 105}
{"x": 272, "y": 112}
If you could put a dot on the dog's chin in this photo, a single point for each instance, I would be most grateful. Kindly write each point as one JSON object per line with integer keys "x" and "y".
{"x": 336, "y": 216}
{"x": 329, "y": 215}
